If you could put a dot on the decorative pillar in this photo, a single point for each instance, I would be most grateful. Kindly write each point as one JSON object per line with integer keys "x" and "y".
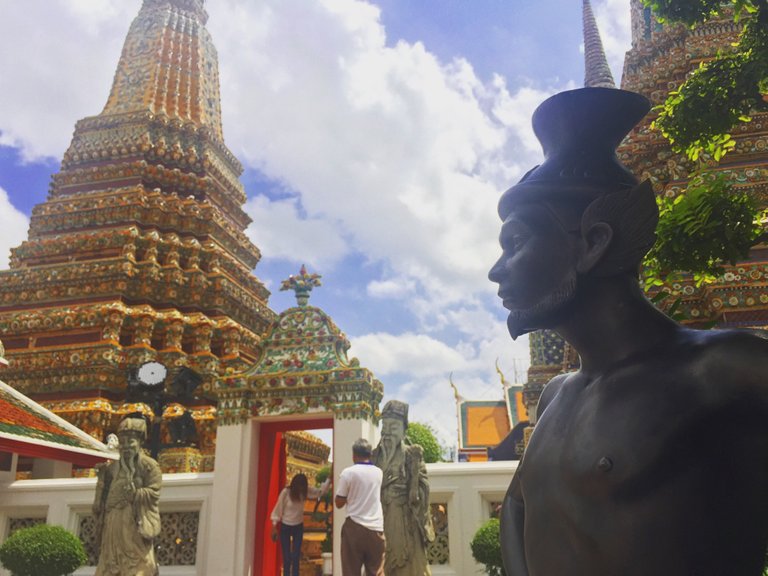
{"x": 202, "y": 333}
{"x": 233, "y": 497}
{"x": 142, "y": 335}
{"x": 172, "y": 256}
{"x": 174, "y": 334}
{"x": 112, "y": 325}
{"x": 230, "y": 340}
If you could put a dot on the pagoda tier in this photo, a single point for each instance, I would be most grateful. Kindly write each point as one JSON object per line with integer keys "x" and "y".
{"x": 139, "y": 253}
{"x": 660, "y": 59}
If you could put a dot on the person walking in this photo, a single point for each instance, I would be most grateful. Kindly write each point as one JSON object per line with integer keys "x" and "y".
{"x": 362, "y": 534}
{"x": 288, "y": 513}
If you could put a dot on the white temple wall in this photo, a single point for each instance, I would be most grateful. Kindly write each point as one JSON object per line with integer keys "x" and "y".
{"x": 232, "y": 528}
{"x": 65, "y": 502}
{"x": 467, "y": 491}
{"x": 345, "y": 433}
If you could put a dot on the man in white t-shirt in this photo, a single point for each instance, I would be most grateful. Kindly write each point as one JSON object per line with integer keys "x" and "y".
{"x": 362, "y": 535}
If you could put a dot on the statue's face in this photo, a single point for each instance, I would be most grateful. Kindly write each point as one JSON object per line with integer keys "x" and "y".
{"x": 392, "y": 430}
{"x": 536, "y": 273}
{"x": 129, "y": 446}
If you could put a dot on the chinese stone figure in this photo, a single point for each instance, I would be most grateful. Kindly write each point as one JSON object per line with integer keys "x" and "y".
{"x": 652, "y": 458}
{"x": 126, "y": 507}
{"x": 404, "y": 496}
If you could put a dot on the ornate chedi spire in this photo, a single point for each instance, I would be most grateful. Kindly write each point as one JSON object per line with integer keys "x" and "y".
{"x": 169, "y": 66}
{"x": 139, "y": 253}
{"x": 161, "y": 125}
{"x": 597, "y": 73}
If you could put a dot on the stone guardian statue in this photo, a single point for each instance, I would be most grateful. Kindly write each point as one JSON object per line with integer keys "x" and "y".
{"x": 404, "y": 496}
{"x": 126, "y": 506}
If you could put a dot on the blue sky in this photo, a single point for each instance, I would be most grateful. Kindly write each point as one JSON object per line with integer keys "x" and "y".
{"x": 376, "y": 138}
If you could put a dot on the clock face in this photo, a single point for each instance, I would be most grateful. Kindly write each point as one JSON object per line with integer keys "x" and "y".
{"x": 152, "y": 373}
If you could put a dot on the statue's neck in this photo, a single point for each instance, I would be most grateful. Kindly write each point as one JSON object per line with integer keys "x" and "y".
{"x": 612, "y": 321}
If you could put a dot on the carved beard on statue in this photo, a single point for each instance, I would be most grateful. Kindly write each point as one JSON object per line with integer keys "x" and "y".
{"x": 547, "y": 311}
{"x": 128, "y": 459}
{"x": 387, "y": 449}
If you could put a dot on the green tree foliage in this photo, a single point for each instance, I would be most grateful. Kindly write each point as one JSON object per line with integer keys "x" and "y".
{"x": 486, "y": 547}
{"x": 424, "y": 436}
{"x": 711, "y": 223}
{"x": 700, "y": 230}
{"x": 698, "y": 117}
{"x": 692, "y": 12}
{"x": 42, "y": 550}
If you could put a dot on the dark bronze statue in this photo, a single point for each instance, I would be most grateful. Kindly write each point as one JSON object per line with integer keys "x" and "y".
{"x": 652, "y": 458}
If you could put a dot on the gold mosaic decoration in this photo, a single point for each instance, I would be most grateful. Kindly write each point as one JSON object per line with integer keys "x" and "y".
{"x": 139, "y": 253}
{"x": 660, "y": 59}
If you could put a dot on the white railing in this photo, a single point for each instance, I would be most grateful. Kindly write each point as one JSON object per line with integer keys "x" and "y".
{"x": 467, "y": 490}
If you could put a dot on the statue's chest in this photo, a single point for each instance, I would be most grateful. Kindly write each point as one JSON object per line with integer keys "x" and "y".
{"x": 615, "y": 434}
{"x": 395, "y": 472}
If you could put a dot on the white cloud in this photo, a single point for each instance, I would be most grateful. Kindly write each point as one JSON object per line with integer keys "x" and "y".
{"x": 57, "y": 60}
{"x": 280, "y": 232}
{"x": 416, "y": 369}
{"x": 413, "y": 354}
{"x": 14, "y": 225}
{"x": 397, "y": 288}
{"x": 389, "y": 142}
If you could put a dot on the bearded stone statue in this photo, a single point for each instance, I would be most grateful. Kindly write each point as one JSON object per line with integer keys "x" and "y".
{"x": 126, "y": 506}
{"x": 404, "y": 496}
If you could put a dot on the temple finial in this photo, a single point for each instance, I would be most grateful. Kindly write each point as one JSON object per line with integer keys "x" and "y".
{"x": 302, "y": 285}
{"x": 504, "y": 382}
{"x": 458, "y": 397}
{"x": 597, "y": 74}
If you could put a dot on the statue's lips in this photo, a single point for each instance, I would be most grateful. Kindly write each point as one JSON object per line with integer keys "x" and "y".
{"x": 507, "y": 299}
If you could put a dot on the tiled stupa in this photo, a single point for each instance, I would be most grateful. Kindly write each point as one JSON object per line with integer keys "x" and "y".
{"x": 139, "y": 252}
{"x": 660, "y": 58}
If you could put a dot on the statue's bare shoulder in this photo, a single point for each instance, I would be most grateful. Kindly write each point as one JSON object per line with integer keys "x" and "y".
{"x": 731, "y": 365}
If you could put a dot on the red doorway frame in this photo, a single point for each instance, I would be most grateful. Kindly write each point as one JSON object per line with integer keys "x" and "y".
{"x": 271, "y": 479}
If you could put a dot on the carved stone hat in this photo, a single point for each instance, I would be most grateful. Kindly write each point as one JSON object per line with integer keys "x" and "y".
{"x": 579, "y": 131}
{"x": 396, "y": 409}
{"x": 136, "y": 426}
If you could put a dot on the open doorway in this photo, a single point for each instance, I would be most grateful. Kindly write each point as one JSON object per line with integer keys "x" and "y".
{"x": 279, "y": 459}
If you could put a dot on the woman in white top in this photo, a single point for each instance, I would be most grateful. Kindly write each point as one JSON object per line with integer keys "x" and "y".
{"x": 289, "y": 513}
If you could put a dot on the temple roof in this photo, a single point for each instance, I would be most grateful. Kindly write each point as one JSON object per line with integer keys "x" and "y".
{"x": 28, "y": 429}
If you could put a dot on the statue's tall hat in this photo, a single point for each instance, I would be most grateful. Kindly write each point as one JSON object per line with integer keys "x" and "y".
{"x": 579, "y": 131}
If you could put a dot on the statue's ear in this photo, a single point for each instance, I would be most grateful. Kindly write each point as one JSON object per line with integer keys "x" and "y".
{"x": 595, "y": 243}
{"x": 631, "y": 215}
